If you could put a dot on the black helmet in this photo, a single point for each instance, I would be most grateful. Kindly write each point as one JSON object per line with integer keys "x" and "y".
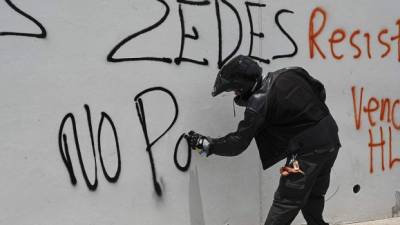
{"x": 240, "y": 74}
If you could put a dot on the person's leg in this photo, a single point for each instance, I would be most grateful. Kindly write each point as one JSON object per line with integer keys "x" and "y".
{"x": 286, "y": 205}
{"x": 314, "y": 205}
{"x": 312, "y": 211}
{"x": 294, "y": 191}
{"x": 291, "y": 194}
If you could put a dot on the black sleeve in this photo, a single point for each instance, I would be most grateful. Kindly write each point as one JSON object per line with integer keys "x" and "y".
{"x": 236, "y": 142}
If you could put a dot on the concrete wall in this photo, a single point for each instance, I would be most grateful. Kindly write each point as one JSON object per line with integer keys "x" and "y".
{"x": 72, "y": 145}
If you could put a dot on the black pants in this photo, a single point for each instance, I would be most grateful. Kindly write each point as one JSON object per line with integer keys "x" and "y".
{"x": 303, "y": 192}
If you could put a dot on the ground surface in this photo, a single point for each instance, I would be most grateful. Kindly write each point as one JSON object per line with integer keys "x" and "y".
{"x": 392, "y": 221}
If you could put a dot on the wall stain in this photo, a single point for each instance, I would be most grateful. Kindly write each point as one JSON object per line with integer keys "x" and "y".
{"x": 396, "y": 207}
{"x": 196, "y": 211}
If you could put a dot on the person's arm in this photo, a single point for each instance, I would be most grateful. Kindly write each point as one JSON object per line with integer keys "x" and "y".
{"x": 236, "y": 142}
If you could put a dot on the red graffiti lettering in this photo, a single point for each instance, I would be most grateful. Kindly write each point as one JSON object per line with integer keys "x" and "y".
{"x": 384, "y": 43}
{"x": 395, "y": 124}
{"x": 354, "y": 45}
{"x": 372, "y": 145}
{"x": 392, "y": 160}
{"x": 397, "y": 37}
{"x": 367, "y": 46}
{"x": 312, "y": 35}
{"x": 365, "y": 110}
{"x": 337, "y": 36}
{"x": 373, "y": 106}
{"x": 357, "y": 113}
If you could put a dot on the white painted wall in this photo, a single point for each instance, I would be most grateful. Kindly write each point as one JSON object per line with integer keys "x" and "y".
{"x": 44, "y": 79}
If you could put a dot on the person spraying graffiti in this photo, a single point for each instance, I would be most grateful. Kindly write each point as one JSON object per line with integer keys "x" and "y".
{"x": 287, "y": 115}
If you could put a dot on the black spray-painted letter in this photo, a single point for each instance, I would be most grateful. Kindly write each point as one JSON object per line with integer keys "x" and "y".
{"x": 110, "y": 56}
{"x": 189, "y": 154}
{"x": 42, "y": 33}
{"x": 142, "y": 119}
{"x": 64, "y": 150}
{"x": 185, "y": 35}
{"x": 252, "y": 33}
{"x": 286, "y": 34}
{"x": 221, "y": 61}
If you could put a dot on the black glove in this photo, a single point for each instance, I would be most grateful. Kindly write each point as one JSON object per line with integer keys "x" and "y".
{"x": 198, "y": 142}
{"x": 195, "y": 140}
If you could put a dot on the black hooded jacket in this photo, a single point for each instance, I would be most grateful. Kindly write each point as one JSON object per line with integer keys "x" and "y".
{"x": 286, "y": 114}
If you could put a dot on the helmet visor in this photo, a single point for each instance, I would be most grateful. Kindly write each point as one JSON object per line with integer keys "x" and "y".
{"x": 221, "y": 85}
